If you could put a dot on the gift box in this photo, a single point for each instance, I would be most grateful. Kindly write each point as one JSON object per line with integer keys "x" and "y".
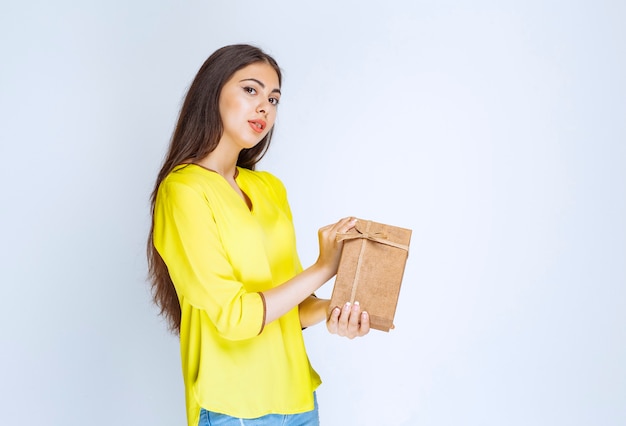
{"x": 371, "y": 269}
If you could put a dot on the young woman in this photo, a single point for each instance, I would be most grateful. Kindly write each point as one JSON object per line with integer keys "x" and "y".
{"x": 222, "y": 254}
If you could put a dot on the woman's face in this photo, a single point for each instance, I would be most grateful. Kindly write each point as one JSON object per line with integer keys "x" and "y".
{"x": 248, "y": 104}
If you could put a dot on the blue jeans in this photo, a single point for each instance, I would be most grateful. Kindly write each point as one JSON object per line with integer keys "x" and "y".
{"x": 310, "y": 418}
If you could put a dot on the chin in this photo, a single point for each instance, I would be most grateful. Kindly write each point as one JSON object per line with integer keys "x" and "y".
{"x": 251, "y": 145}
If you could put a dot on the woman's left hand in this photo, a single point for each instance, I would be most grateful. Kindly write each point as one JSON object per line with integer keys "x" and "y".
{"x": 349, "y": 321}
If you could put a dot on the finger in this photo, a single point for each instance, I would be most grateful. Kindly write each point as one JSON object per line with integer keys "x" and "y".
{"x": 333, "y": 321}
{"x": 346, "y": 224}
{"x": 343, "y": 319}
{"x": 353, "y": 321}
{"x": 339, "y": 223}
{"x": 329, "y": 232}
{"x": 326, "y": 228}
{"x": 365, "y": 324}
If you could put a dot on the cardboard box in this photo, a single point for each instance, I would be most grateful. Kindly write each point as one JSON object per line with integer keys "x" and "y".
{"x": 371, "y": 269}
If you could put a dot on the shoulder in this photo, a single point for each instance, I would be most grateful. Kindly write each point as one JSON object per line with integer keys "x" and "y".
{"x": 189, "y": 174}
{"x": 188, "y": 184}
{"x": 263, "y": 178}
{"x": 191, "y": 177}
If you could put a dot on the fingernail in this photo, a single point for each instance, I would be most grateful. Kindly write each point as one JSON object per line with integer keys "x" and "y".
{"x": 348, "y": 304}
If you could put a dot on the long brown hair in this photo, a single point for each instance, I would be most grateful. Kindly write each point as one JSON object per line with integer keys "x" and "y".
{"x": 197, "y": 133}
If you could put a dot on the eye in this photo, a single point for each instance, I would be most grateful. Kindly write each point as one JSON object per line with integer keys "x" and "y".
{"x": 274, "y": 101}
{"x": 250, "y": 90}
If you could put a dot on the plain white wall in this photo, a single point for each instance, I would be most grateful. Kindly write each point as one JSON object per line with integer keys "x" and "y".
{"x": 494, "y": 129}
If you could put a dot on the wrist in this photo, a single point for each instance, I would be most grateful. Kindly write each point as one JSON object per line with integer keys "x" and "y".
{"x": 323, "y": 271}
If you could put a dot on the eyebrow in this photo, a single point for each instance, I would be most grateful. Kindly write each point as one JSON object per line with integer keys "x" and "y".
{"x": 260, "y": 84}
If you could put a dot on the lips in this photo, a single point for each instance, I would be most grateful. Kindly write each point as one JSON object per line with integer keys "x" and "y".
{"x": 257, "y": 125}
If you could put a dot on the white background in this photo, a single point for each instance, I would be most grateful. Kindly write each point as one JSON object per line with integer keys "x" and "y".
{"x": 495, "y": 130}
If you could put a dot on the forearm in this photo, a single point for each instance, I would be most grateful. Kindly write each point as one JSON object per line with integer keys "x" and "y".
{"x": 313, "y": 310}
{"x": 280, "y": 300}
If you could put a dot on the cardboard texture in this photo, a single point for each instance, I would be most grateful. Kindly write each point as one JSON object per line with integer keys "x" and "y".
{"x": 371, "y": 269}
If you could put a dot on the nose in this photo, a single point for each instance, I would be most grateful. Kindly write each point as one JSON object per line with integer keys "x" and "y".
{"x": 262, "y": 108}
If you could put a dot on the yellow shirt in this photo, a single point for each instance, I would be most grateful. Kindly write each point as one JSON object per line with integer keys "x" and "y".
{"x": 220, "y": 256}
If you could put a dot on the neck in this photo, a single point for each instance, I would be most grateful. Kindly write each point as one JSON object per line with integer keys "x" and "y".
{"x": 220, "y": 161}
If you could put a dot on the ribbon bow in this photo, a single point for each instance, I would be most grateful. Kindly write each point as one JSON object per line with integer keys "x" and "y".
{"x": 378, "y": 237}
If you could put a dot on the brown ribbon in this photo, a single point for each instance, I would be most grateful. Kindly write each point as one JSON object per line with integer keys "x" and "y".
{"x": 378, "y": 237}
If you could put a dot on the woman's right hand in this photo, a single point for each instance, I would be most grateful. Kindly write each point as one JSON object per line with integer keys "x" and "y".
{"x": 330, "y": 249}
{"x": 281, "y": 299}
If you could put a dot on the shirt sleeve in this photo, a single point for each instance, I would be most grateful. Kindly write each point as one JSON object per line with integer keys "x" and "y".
{"x": 187, "y": 238}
